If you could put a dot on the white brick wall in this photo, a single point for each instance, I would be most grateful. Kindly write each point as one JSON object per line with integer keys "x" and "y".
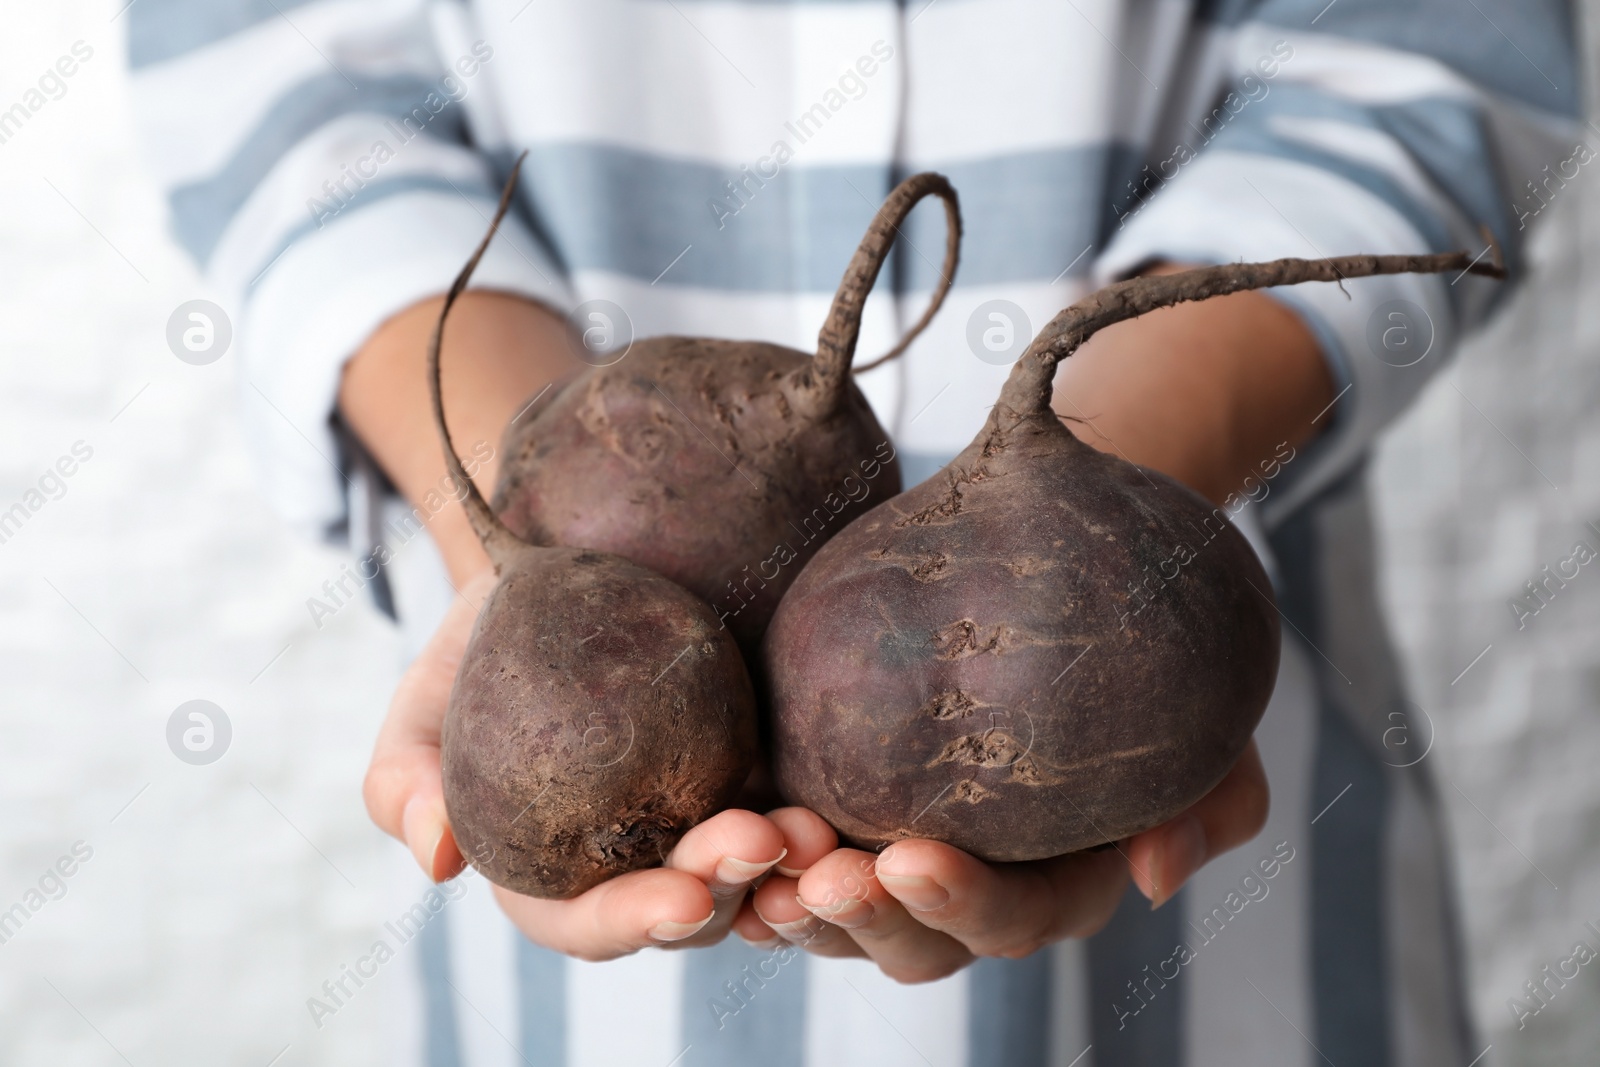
{"x": 1494, "y": 475}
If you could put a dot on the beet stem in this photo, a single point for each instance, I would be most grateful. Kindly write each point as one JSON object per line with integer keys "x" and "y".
{"x": 498, "y": 541}
{"x": 836, "y": 344}
{"x": 1029, "y": 388}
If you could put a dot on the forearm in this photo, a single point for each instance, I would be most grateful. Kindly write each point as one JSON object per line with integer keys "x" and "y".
{"x": 1204, "y": 392}
{"x": 499, "y": 350}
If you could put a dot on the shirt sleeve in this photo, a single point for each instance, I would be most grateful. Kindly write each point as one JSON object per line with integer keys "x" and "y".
{"x": 327, "y": 163}
{"x": 1367, "y": 126}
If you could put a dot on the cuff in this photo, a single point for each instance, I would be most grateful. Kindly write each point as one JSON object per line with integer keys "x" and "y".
{"x": 320, "y": 301}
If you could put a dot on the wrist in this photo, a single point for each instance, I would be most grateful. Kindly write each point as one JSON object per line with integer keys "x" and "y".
{"x": 499, "y": 350}
{"x": 1204, "y": 392}
{"x": 464, "y": 558}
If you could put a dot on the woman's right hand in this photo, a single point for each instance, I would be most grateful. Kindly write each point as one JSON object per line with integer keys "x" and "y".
{"x": 690, "y": 901}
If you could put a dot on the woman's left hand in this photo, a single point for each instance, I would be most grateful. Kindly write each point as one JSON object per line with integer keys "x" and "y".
{"x": 922, "y": 910}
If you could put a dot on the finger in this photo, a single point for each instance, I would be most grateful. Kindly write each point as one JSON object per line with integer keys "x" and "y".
{"x": 1004, "y": 909}
{"x": 776, "y": 902}
{"x": 617, "y": 917}
{"x": 1164, "y": 858}
{"x": 752, "y": 928}
{"x": 727, "y": 852}
{"x": 841, "y": 889}
{"x": 806, "y": 836}
{"x": 403, "y": 790}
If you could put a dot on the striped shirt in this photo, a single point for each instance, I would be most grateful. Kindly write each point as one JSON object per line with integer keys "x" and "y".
{"x": 708, "y": 166}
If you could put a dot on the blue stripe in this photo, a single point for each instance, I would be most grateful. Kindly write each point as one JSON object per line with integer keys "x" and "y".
{"x": 1351, "y": 995}
{"x": 474, "y": 192}
{"x": 541, "y": 1004}
{"x": 1008, "y": 1012}
{"x": 1454, "y": 145}
{"x": 1350, "y": 977}
{"x": 202, "y": 210}
{"x": 743, "y": 1005}
{"x": 1252, "y": 134}
{"x": 1025, "y": 216}
{"x": 1523, "y": 49}
{"x": 159, "y": 30}
{"x": 442, "y": 1042}
{"x": 1448, "y": 139}
{"x": 796, "y": 231}
{"x": 1136, "y": 938}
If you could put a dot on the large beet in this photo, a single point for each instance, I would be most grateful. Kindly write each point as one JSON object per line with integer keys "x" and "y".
{"x": 599, "y": 712}
{"x": 1044, "y": 647}
{"x": 721, "y": 464}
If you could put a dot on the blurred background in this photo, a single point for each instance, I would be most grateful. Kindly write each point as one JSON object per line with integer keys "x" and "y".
{"x": 207, "y": 902}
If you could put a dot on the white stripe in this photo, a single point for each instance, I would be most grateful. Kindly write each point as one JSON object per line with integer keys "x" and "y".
{"x": 710, "y": 81}
{"x": 1070, "y": 1030}
{"x": 323, "y": 299}
{"x": 283, "y": 202}
{"x": 1268, "y": 942}
{"x": 1034, "y": 54}
{"x": 399, "y": 990}
{"x": 1370, "y": 73}
{"x": 1381, "y": 152}
{"x": 627, "y": 1011}
{"x": 854, "y": 1014}
{"x": 1525, "y": 138}
{"x": 949, "y": 389}
{"x": 484, "y": 972}
{"x": 196, "y": 110}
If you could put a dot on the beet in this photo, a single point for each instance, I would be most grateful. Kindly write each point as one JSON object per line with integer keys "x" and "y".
{"x": 599, "y": 712}
{"x": 1044, "y": 647}
{"x": 723, "y": 465}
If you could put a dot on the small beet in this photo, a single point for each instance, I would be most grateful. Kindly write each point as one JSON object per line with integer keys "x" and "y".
{"x": 1043, "y": 648}
{"x": 721, "y": 464}
{"x": 599, "y": 712}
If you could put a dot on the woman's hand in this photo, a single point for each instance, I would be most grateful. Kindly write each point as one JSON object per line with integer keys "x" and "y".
{"x": 922, "y": 910}
{"x": 692, "y": 900}
{"x": 503, "y": 351}
{"x": 1203, "y": 392}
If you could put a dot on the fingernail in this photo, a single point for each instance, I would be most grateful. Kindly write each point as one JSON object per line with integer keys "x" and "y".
{"x": 798, "y": 932}
{"x": 849, "y": 913}
{"x": 737, "y": 872}
{"x": 1182, "y": 854}
{"x": 916, "y": 891}
{"x": 671, "y": 931}
{"x": 767, "y": 943}
{"x": 789, "y": 872}
{"x": 423, "y": 826}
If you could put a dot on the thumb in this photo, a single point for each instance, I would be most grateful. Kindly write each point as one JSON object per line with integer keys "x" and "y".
{"x": 1163, "y": 859}
{"x": 404, "y": 787}
{"x": 404, "y": 793}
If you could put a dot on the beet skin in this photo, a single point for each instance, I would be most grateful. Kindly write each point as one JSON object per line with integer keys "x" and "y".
{"x": 1044, "y": 647}
{"x": 721, "y": 464}
{"x": 600, "y": 712}
{"x": 1039, "y": 650}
